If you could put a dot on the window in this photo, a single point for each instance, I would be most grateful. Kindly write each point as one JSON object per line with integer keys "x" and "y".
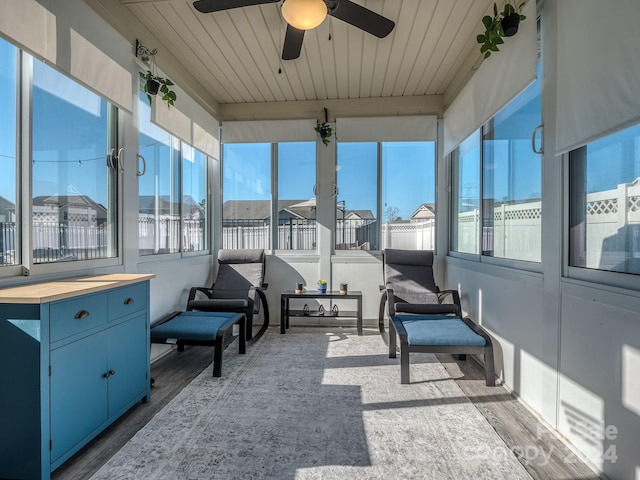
{"x": 195, "y": 212}
{"x": 503, "y": 170}
{"x": 9, "y": 251}
{"x": 357, "y": 199}
{"x": 246, "y": 195}
{"x": 511, "y": 180}
{"x": 408, "y": 195}
{"x": 159, "y": 187}
{"x": 74, "y": 212}
{"x": 465, "y": 196}
{"x": 394, "y": 181}
{"x": 605, "y": 203}
{"x": 296, "y": 203}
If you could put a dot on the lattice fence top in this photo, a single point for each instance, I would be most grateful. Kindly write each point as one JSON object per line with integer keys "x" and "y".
{"x": 634, "y": 204}
{"x": 602, "y": 207}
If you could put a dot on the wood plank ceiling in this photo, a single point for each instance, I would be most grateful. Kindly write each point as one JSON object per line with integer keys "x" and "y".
{"x": 234, "y": 55}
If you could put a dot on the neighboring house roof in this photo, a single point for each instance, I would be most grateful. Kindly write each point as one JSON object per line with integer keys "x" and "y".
{"x": 424, "y": 211}
{"x": 67, "y": 201}
{"x": 359, "y": 214}
{"x": 261, "y": 209}
{"x": 6, "y": 204}
{"x": 190, "y": 207}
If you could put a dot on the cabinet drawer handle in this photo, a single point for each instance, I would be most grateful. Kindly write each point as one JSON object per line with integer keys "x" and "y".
{"x": 128, "y": 301}
{"x": 81, "y": 314}
{"x": 109, "y": 373}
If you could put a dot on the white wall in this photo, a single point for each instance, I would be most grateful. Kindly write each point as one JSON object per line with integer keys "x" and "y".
{"x": 570, "y": 349}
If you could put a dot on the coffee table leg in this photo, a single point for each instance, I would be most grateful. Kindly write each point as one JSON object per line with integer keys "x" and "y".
{"x": 282, "y": 315}
{"x": 359, "y": 321}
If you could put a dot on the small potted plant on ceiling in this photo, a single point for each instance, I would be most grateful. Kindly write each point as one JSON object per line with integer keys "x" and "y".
{"x": 502, "y": 24}
{"x": 154, "y": 84}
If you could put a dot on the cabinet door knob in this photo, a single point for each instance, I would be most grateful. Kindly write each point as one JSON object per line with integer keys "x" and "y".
{"x": 109, "y": 373}
{"x": 128, "y": 301}
{"x": 81, "y": 314}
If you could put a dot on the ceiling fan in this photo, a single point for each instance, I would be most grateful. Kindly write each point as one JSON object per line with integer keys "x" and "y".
{"x": 302, "y": 15}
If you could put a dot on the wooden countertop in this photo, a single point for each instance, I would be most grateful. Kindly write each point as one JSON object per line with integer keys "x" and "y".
{"x": 68, "y": 287}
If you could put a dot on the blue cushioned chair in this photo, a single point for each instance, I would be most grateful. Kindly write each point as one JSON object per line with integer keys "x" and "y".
{"x": 425, "y": 318}
{"x": 239, "y": 287}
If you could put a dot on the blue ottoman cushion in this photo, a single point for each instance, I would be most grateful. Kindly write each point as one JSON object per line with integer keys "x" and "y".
{"x": 439, "y": 330}
{"x": 195, "y": 325}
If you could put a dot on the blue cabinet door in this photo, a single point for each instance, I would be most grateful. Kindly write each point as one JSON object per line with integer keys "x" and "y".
{"x": 128, "y": 360}
{"x": 78, "y": 391}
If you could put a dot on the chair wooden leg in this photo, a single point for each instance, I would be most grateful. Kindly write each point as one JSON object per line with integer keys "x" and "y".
{"x": 392, "y": 340}
{"x": 242, "y": 338}
{"x": 489, "y": 372}
{"x": 404, "y": 363}
{"x": 217, "y": 355}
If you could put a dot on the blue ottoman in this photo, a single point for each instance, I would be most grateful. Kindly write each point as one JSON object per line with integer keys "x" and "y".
{"x": 439, "y": 334}
{"x": 202, "y": 328}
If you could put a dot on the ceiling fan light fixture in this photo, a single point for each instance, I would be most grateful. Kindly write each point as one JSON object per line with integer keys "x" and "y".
{"x": 304, "y": 14}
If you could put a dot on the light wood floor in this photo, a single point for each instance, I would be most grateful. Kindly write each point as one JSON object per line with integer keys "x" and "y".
{"x": 543, "y": 455}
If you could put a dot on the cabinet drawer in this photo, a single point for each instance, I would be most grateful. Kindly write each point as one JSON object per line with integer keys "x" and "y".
{"x": 126, "y": 300}
{"x": 69, "y": 317}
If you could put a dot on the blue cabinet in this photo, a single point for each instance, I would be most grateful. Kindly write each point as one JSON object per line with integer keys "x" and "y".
{"x": 72, "y": 362}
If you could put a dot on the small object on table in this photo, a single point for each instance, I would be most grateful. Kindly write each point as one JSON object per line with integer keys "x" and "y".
{"x": 305, "y": 309}
{"x": 334, "y": 311}
{"x": 343, "y": 289}
{"x": 321, "y": 310}
{"x": 298, "y": 289}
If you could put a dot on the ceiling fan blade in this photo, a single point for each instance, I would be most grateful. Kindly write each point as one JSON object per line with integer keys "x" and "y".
{"x": 208, "y": 6}
{"x": 292, "y": 43}
{"x": 361, "y": 17}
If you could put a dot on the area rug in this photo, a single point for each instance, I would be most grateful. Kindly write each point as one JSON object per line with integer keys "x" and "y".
{"x": 317, "y": 403}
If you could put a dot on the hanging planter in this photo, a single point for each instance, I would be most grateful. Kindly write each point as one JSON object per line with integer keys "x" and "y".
{"x": 511, "y": 20}
{"x": 324, "y": 129}
{"x": 502, "y": 24}
{"x": 152, "y": 86}
{"x": 155, "y": 85}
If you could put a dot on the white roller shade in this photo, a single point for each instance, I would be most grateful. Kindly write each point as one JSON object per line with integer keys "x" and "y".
{"x": 387, "y": 129}
{"x": 500, "y": 78}
{"x": 188, "y": 121}
{"x": 598, "y": 70}
{"x": 269, "y": 131}
{"x": 31, "y": 26}
{"x": 74, "y": 38}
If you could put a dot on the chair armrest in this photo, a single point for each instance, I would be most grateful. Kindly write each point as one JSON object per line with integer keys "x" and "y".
{"x": 192, "y": 292}
{"x": 455, "y": 296}
{"x": 391, "y": 302}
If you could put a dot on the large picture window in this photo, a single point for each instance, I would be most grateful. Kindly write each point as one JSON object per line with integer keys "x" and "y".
{"x": 296, "y": 203}
{"x": 511, "y": 180}
{"x": 9, "y": 251}
{"x": 159, "y": 187}
{"x": 246, "y": 195}
{"x": 605, "y": 203}
{"x": 357, "y": 199}
{"x": 195, "y": 210}
{"x": 408, "y": 195}
{"x": 465, "y": 196}
{"x": 74, "y": 208}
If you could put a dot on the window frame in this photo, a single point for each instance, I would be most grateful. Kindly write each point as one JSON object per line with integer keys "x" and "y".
{"x": 25, "y": 109}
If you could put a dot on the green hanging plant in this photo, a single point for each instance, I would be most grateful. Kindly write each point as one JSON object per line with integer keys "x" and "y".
{"x": 502, "y": 24}
{"x": 154, "y": 85}
{"x": 325, "y": 131}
